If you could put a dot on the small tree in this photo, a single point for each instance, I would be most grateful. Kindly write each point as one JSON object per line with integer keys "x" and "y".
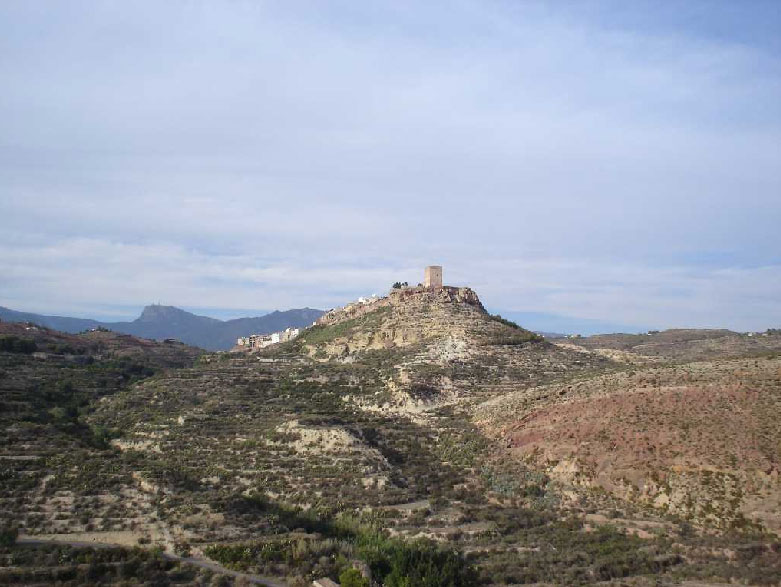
{"x": 352, "y": 578}
{"x": 8, "y": 535}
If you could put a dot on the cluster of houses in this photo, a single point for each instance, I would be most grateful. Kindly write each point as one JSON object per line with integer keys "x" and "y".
{"x": 359, "y": 302}
{"x": 347, "y": 309}
{"x": 261, "y": 341}
{"x": 432, "y": 279}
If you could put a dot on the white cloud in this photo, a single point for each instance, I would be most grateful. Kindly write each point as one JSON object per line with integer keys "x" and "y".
{"x": 77, "y": 274}
{"x": 260, "y": 155}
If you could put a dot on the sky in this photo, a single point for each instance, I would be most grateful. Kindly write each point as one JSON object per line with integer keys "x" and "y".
{"x": 609, "y": 162}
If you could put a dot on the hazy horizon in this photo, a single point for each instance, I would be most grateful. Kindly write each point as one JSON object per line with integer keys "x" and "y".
{"x": 537, "y": 321}
{"x": 602, "y": 161}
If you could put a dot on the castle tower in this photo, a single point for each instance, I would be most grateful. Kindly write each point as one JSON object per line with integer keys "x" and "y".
{"x": 432, "y": 276}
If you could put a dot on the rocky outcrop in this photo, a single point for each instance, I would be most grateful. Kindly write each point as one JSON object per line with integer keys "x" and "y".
{"x": 442, "y": 295}
{"x": 406, "y": 317}
{"x": 407, "y": 297}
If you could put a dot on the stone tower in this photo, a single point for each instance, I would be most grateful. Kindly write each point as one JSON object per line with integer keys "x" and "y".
{"x": 432, "y": 277}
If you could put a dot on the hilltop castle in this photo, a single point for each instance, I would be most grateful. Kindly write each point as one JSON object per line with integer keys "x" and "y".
{"x": 430, "y": 288}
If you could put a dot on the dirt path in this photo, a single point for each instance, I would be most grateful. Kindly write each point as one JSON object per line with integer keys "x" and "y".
{"x": 198, "y": 562}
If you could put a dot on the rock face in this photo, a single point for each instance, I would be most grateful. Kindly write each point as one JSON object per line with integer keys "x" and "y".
{"x": 441, "y": 295}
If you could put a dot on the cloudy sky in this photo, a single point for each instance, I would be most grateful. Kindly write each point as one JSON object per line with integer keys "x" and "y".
{"x": 613, "y": 161}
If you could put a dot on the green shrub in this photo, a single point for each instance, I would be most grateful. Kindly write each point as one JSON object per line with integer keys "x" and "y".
{"x": 8, "y": 536}
{"x": 505, "y": 321}
{"x": 352, "y": 578}
{"x": 515, "y": 339}
{"x": 397, "y": 563}
{"x": 14, "y": 344}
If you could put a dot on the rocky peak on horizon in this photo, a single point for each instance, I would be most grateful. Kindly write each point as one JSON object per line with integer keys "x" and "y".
{"x": 160, "y": 313}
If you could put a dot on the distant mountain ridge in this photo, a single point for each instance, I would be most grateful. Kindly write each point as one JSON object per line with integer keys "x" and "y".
{"x": 160, "y": 322}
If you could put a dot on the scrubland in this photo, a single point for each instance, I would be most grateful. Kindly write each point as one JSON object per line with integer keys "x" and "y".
{"x": 423, "y": 441}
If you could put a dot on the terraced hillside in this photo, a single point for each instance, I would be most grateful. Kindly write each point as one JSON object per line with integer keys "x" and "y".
{"x": 333, "y": 422}
{"x": 58, "y": 474}
{"x": 421, "y": 441}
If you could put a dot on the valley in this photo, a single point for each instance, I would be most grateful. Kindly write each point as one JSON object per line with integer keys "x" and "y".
{"x": 420, "y": 438}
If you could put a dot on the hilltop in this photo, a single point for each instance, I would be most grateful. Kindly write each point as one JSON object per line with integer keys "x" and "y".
{"x": 162, "y": 322}
{"x": 439, "y": 343}
{"x": 421, "y": 416}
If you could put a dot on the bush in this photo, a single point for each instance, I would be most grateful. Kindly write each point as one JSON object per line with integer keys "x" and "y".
{"x": 352, "y": 578}
{"x": 402, "y": 564}
{"x": 14, "y": 344}
{"x": 8, "y": 536}
{"x": 519, "y": 337}
{"x": 182, "y": 549}
{"x": 505, "y": 321}
{"x": 515, "y": 339}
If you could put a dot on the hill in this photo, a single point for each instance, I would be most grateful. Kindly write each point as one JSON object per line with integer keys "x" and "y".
{"x": 418, "y": 436}
{"x": 61, "y": 323}
{"x": 699, "y": 440}
{"x": 681, "y": 344}
{"x": 162, "y": 322}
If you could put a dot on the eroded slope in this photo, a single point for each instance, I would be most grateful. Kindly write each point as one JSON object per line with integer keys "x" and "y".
{"x": 702, "y": 440}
